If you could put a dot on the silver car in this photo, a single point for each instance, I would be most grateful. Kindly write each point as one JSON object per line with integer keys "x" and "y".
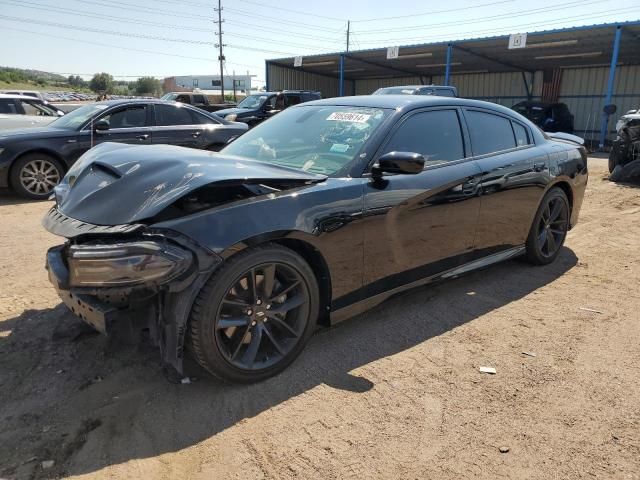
{"x": 21, "y": 111}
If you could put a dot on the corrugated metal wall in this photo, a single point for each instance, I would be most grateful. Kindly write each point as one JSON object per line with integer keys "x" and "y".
{"x": 583, "y": 90}
{"x": 281, "y": 78}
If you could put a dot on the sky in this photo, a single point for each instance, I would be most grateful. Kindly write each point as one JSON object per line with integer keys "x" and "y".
{"x": 161, "y": 38}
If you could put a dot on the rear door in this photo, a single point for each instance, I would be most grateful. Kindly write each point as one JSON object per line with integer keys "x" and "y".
{"x": 514, "y": 175}
{"x": 178, "y": 125}
{"x": 420, "y": 225}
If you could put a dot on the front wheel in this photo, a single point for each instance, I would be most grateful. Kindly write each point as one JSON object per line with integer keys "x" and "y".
{"x": 549, "y": 228}
{"x": 255, "y": 315}
{"x": 34, "y": 175}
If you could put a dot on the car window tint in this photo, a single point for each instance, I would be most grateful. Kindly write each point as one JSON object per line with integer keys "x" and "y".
{"x": 425, "y": 91}
{"x": 173, "y": 115}
{"x": 293, "y": 100}
{"x": 198, "y": 99}
{"x": 129, "y": 117}
{"x": 489, "y": 133}
{"x": 436, "y": 135}
{"x": 445, "y": 92}
{"x": 201, "y": 119}
{"x": 522, "y": 138}
{"x": 182, "y": 98}
{"x": 7, "y": 106}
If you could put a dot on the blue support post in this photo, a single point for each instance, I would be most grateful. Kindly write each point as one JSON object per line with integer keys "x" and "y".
{"x": 266, "y": 75}
{"x": 612, "y": 76}
{"x": 341, "y": 86}
{"x": 447, "y": 70}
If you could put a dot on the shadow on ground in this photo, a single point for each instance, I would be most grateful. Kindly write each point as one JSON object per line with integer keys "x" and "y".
{"x": 68, "y": 395}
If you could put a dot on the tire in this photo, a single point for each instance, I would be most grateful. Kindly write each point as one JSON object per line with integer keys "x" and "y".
{"x": 35, "y": 174}
{"x": 549, "y": 228}
{"x": 617, "y": 174}
{"x": 238, "y": 336}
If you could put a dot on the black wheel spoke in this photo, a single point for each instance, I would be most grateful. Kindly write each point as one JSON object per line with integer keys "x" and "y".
{"x": 251, "y": 285}
{"x": 551, "y": 244}
{"x": 236, "y": 302}
{"x": 233, "y": 322}
{"x": 283, "y": 324}
{"x": 275, "y": 343}
{"x": 239, "y": 344}
{"x": 268, "y": 280}
{"x": 542, "y": 238}
{"x": 556, "y": 232}
{"x": 285, "y": 290}
{"x": 555, "y": 211}
{"x": 289, "y": 304}
{"x": 250, "y": 353}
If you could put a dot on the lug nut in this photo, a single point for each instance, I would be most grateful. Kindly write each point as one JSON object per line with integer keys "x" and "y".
{"x": 268, "y": 307}
{"x": 249, "y": 312}
{"x": 259, "y": 302}
{"x": 253, "y": 324}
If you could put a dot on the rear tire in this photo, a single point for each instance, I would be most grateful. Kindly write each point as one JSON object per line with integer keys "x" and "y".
{"x": 255, "y": 314}
{"x": 549, "y": 228}
{"x": 35, "y": 174}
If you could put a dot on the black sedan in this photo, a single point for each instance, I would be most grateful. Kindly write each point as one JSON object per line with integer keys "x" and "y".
{"x": 33, "y": 161}
{"x": 312, "y": 217}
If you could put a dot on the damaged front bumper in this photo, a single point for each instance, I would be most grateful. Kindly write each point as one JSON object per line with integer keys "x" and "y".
{"x": 624, "y": 158}
{"x": 144, "y": 279}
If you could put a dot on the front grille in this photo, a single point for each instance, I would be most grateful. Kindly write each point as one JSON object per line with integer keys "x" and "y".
{"x": 59, "y": 224}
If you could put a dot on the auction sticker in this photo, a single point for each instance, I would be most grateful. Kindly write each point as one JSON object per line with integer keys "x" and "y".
{"x": 349, "y": 117}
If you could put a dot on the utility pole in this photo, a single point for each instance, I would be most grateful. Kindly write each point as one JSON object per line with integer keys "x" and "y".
{"x": 220, "y": 45}
{"x": 348, "y": 31}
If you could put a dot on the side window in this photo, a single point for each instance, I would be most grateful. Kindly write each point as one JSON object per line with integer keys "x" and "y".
{"x": 201, "y": 119}
{"x": 293, "y": 100}
{"x": 198, "y": 99}
{"x": 489, "y": 133}
{"x": 445, "y": 92}
{"x": 167, "y": 115}
{"x": 436, "y": 135}
{"x": 182, "y": 99}
{"x": 7, "y": 106}
{"x": 522, "y": 137}
{"x": 425, "y": 91}
{"x": 134, "y": 116}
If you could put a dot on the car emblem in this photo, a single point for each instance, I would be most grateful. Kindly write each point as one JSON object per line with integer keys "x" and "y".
{"x": 260, "y": 314}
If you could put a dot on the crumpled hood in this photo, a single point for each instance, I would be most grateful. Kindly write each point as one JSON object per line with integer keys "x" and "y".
{"x": 116, "y": 184}
{"x": 237, "y": 111}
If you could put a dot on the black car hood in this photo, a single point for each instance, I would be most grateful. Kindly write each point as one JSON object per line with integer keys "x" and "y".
{"x": 237, "y": 111}
{"x": 116, "y": 184}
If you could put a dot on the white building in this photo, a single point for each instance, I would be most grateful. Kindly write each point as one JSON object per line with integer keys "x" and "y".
{"x": 210, "y": 82}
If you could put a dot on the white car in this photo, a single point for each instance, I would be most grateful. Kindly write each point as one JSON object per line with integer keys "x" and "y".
{"x": 27, "y": 93}
{"x": 21, "y": 111}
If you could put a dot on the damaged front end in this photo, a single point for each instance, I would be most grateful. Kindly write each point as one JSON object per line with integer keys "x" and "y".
{"x": 624, "y": 158}
{"x": 120, "y": 272}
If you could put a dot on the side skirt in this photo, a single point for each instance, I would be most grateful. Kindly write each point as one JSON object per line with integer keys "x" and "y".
{"x": 368, "y": 303}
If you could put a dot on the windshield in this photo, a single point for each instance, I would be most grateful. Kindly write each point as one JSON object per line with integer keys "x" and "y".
{"x": 253, "y": 101}
{"x": 169, "y": 96}
{"x": 74, "y": 119}
{"x": 395, "y": 91}
{"x": 316, "y": 139}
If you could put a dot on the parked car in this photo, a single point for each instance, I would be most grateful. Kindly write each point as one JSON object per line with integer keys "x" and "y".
{"x": 20, "y": 111}
{"x": 312, "y": 217}
{"x": 624, "y": 158}
{"x": 550, "y": 117}
{"x": 258, "y": 107}
{"x": 438, "y": 90}
{"x": 33, "y": 161}
{"x": 199, "y": 100}
{"x": 28, "y": 93}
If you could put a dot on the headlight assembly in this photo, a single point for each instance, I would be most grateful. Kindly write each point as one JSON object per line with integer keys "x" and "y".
{"x": 126, "y": 264}
{"x": 231, "y": 117}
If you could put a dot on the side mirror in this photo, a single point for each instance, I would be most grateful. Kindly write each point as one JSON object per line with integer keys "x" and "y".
{"x": 101, "y": 126}
{"x": 408, "y": 163}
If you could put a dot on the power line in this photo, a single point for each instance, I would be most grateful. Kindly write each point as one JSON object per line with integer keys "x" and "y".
{"x": 136, "y": 8}
{"x": 433, "y": 12}
{"x": 270, "y": 30}
{"x": 299, "y": 12}
{"x": 278, "y": 20}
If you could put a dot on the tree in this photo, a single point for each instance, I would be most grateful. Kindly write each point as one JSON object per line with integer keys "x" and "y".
{"x": 148, "y": 86}
{"x": 101, "y": 82}
{"x": 76, "y": 81}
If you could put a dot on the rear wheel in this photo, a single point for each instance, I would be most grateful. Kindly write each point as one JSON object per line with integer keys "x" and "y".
{"x": 549, "y": 228}
{"x": 255, "y": 315}
{"x": 34, "y": 175}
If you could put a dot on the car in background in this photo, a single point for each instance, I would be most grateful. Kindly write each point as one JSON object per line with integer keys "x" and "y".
{"x": 310, "y": 218}
{"x": 21, "y": 111}
{"x": 437, "y": 90}
{"x": 28, "y": 93}
{"x": 550, "y": 117}
{"x": 195, "y": 99}
{"x": 624, "y": 158}
{"x": 33, "y": 161}
{"x": 258, "y": 107}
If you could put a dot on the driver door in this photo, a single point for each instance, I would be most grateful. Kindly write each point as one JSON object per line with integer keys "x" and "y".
{"x": 422, "y": 224}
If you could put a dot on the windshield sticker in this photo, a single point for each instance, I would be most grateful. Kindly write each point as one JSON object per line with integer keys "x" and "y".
{"x": 349, "y": 117}
{"x": 339, "y": 148}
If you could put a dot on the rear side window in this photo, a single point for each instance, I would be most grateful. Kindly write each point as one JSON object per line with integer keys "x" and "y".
{"x": 182, "y": 98}
{"x": 436, "y": 135}
{"x": 202, "y": 119}
{"x": 7, "y": 106}
{"x": 167, "y": 115}
{"x": 489, "y": 133}
{"x": 522, "y": 137}
{"x": 129, "y": 117}
{"x": 445, "y": 92}
{"x": 198, "y": 99}
{"x": 293, "y": 100}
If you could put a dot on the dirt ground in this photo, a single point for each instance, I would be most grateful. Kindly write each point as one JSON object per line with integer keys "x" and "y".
{"x": 394, "y": 393}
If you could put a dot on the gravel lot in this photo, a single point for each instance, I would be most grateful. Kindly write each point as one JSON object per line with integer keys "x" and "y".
{"x": 395, "y": 393}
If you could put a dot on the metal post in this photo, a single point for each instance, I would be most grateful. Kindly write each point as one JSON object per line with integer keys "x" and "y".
{"x": 447, "y": 71}
{"x": 220, "y": 56}
{"x": 612, "y": 77}
{"x": 341, "y": 86}
{"x": 266, "y": 75}
{"x": 348, "y": 33}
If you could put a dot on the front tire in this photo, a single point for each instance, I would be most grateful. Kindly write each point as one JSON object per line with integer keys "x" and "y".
{"x": 549, "y": 228}
{"x": 35, "y": 174}
{"x": 255, "y": 314}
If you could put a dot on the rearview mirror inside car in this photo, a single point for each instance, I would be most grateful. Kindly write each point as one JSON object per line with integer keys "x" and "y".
{"x": 101, "y": 126}
{"x": 399, "y": 162}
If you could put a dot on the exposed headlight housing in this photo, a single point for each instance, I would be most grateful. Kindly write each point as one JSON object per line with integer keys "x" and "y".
{"x": 126, "y": 264}
{"x": 231, "y": 117}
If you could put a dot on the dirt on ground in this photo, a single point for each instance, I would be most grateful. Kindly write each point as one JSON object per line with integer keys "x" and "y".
{"x": 394, "y": 393}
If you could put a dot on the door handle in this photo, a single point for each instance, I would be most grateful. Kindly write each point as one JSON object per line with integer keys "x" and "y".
{"x": 144, "y": 136}
{"x": 539, "y": 167}
{"x": 196, "y": 134}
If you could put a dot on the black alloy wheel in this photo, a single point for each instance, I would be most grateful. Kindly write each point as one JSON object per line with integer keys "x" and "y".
{"x": 255, "y": 314}
{"x": 549, "y": 228}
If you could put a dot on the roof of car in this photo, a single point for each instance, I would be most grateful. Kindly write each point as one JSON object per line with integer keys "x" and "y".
{"x": 449, "y": 87}
{"x": 405, "y": 102}
{"x": 13, "y": 95}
